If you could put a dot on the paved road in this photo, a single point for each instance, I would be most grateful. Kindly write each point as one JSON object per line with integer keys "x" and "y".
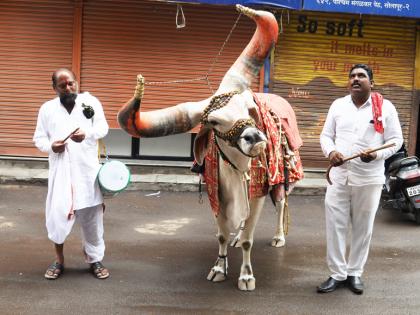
{"x": 161, "y": 247}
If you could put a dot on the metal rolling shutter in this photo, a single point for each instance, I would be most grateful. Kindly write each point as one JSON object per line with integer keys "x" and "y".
{"x": 311, "y": 70}
{"x": 36, "y": 38}
{"x": 124, "y": 38}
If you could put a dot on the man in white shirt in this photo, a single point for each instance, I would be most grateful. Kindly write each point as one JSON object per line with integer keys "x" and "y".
{"x": 73, "y": 191}
{"x": 355, "y": 123}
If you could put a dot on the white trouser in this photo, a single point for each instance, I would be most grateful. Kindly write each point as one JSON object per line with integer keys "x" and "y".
{"x": 349, "y": 207}
{"x": 91, "y": 224}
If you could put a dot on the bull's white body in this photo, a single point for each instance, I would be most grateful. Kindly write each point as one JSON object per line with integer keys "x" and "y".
{"x": 234, "y": 122}
{"x": 237, "y": 210}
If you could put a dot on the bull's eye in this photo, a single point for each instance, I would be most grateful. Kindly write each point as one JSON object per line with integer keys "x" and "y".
{"x": 247, "y": 138}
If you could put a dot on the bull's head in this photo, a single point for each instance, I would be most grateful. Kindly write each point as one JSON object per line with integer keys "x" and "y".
{"x": 230, "y": 112}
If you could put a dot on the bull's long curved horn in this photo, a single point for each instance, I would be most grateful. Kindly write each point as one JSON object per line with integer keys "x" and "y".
{"x": 185, "y": 116}
{"x": 158, "y": 123}
{"x": 239, "y": 77}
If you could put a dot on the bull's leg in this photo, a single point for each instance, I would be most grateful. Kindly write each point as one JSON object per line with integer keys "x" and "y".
{"x": 246, "y": 281}
{"x": 219, "y": 271}
{"x": 236, "y": 240}
{"x": 278, "y": 238}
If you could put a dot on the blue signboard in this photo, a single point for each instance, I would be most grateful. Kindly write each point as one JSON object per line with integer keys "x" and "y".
{"x": 404, "y": 8}
{"x": 289, "y": 4}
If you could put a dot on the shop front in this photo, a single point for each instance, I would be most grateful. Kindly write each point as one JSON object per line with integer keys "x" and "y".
{"x": 315, "y": 51}
{"x": 182, "y": 51}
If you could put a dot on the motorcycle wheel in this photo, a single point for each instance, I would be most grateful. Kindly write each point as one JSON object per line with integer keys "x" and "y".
{"x": 415, "y": 211}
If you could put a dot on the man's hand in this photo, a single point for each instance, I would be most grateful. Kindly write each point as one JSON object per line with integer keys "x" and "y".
{"x": 78, "y": 136}
{"x": 58, "y": 146}
{"x": 367, "y": 157}
{"x": 336, "y": 158}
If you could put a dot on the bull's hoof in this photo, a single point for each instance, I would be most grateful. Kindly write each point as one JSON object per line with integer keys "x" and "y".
{"x": 216, "y": 274}
{"x": 278, "y": 241}
{"x": 246, "y": 283}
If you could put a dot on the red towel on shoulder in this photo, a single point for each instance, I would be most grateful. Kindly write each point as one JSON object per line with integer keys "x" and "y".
{"x": 377, "y": 101}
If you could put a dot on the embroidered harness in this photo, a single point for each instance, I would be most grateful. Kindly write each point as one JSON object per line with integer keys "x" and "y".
{"x": 232, "y": 135}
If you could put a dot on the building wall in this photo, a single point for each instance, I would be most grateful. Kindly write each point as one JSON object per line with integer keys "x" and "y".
{"x": 34, "y": 41}
{"x": 107, "y": 43}
{"x": 312, "y": 60}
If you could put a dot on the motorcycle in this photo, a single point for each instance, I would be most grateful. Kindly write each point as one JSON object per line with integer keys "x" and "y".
{"x": 402, "y": 183}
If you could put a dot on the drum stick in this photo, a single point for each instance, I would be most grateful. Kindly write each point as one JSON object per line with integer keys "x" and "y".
{"x": 385, "y": 146}
{"x": 72, "y": 133}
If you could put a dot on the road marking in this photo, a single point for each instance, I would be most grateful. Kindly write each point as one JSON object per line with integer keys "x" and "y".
{"x": 6, "y": 224}
{"x": 165, "y": 227}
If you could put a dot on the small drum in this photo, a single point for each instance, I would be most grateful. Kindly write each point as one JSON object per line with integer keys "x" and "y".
{"x": 113, "y": 177}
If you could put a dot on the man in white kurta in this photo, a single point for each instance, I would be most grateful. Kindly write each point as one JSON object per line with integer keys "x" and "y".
{"x": 73, "y": 191}
{"x": 353, "y": 198}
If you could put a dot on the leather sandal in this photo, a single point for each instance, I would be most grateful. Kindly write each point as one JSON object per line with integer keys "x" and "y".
{"x": 99, "y": 271}
{"x": 54, "y": 271}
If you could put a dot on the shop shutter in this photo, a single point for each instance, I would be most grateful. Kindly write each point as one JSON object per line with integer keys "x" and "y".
{"x": 36, "y": 38}
{"x": 124, "y": 38}
{"x": 312, "y": 61}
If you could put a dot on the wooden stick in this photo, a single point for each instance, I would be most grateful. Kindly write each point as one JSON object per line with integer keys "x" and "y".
{"x": 385, "y": 146}
{"x": 72, "y": 133}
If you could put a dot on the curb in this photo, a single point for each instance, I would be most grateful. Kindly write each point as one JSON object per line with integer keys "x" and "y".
{"x": 165, "y": 182}
{"x": 146, "y": 175}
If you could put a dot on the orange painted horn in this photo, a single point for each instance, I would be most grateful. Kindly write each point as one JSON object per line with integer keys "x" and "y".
{"x": 185, "y": 116}
{"x": 158, "y": 123}
{"x": 246, "y": 68}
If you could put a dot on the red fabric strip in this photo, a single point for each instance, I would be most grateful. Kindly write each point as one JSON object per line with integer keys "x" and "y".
{"x": 377, "y": 101}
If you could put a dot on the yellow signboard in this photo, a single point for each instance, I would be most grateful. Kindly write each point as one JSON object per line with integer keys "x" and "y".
{"x": 325, "y": 45}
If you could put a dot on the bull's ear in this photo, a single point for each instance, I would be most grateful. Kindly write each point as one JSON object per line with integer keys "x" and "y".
{"x": 253, "y": 112}
{"x": 201, "y": 145}
{"x": 252, "y": 107}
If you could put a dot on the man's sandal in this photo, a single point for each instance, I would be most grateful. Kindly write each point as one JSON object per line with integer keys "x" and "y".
{"x": 99, "y": 271}
{"x": 54, "y": 271}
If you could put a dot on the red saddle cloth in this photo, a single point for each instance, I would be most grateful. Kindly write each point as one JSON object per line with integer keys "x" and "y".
{"x": 264, "y": 173}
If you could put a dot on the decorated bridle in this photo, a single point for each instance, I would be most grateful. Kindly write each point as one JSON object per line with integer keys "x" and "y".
{"x": 232, "y": 135}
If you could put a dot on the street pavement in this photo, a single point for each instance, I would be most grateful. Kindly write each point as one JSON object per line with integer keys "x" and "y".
{"x": 161, "y": 245}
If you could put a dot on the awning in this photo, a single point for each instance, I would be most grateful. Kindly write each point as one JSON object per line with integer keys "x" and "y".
{"x": 288, "y": 4}
{"x": 403, "y": 8}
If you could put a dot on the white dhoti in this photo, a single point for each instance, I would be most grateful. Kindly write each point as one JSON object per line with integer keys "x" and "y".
{"x": 92, "y": 228}
{"x": 345, "y": 207}
{"x": 59, "y": 203}
{"x": 69, "y": 190}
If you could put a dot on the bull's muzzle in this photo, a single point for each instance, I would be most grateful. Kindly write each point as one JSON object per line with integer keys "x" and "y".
{"x": 252, "y": 141}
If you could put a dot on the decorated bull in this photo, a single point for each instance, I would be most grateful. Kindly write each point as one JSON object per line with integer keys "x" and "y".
{"x": 248, "y": 144}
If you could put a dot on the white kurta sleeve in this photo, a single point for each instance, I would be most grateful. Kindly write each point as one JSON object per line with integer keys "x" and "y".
{"x": 327, "y": 138}
{"x": 41, "y": 137}
{"x": 392, "y": 132}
